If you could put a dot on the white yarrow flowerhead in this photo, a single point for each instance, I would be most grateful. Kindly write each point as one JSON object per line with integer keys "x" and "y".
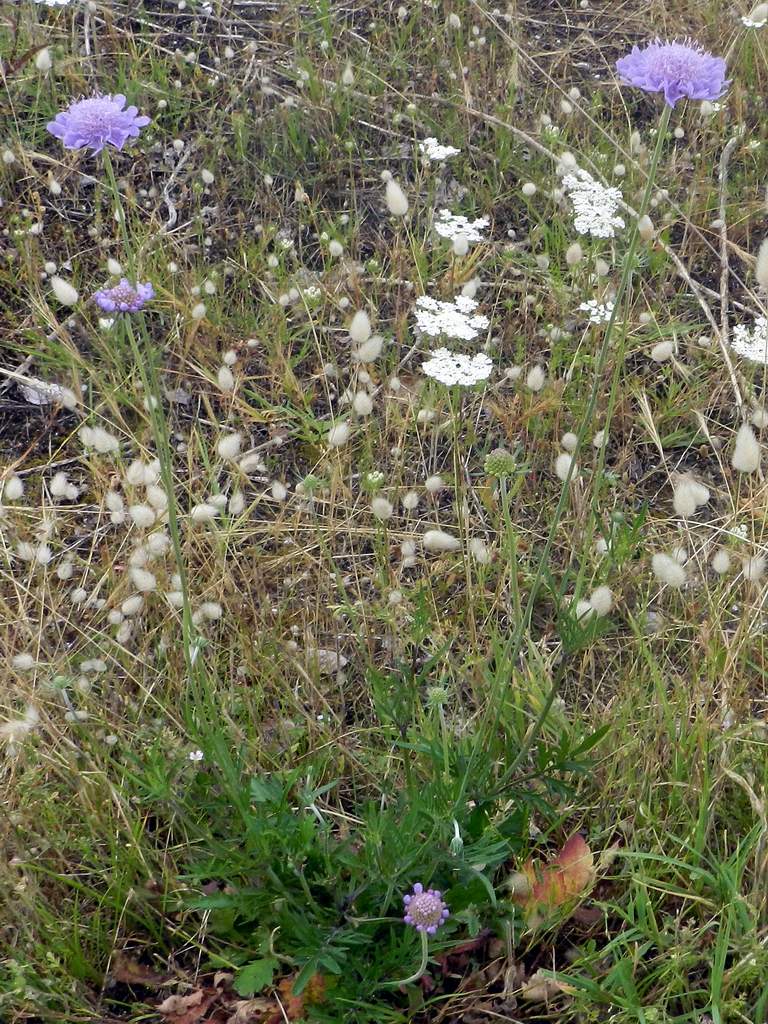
{"x": 752, "y": 344}
{"x": 594, "y": 205}
{"x": 396, "y": 200}
{"x": 433, "y": 150}
{"x": 456, "y": 368}
{"x": 598, "y": 312}
{"x": 451, "y": 225}
{"x": 746, "y": 451}
{"x": 668, "y": 570}
{"x": 455, "y": 319}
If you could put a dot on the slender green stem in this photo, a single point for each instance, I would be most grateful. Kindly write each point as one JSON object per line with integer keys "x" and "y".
{"x": 419, "y": 970}
{"x": 515, "y": 643}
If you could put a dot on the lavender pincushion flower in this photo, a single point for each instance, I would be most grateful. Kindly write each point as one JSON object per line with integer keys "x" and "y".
{"x": 677, "y": 69}
{"x": 124, "y": 297}
{"x": 425, "y": 909}
{"x": 96, "y": 122}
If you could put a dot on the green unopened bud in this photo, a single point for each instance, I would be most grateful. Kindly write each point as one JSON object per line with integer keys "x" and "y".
{"x": 500, "y": 463}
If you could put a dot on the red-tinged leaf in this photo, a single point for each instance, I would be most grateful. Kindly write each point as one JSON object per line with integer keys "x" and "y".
{"x": 558, "y": 882}
{"x": 130, "y": 972}
{"x": 189, "y": 1009}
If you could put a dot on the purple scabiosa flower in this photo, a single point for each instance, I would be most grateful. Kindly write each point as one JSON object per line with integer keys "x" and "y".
{"x": 677, "y": 69}
{"x": 123, "y": 297}
{"x": 425, "y": 909}
{"x": 96, "y": 122}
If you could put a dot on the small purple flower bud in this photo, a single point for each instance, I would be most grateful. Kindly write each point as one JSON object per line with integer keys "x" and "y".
{"x": 425, "y": 909}
{"x": 124, "y": 297}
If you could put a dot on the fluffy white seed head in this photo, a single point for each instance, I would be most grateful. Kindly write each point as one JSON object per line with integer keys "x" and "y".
{"x": 663, "y": 351}
{"x": 746, "y": 450}
{"x": 142, "y": 515}
{"x": 204, "y": 512}
{"x": 601, "y": 600}
{"x": 569, "y": 441}
{"x": 688, "y": 495}
{"x": 13, "y": 488}
{"x": 362, "y": 403}
{"x": 43, "y": 61}
{"x": 396, "y": 199}
{"x": 753, "y": 568}
{"x": 64, "y": 292}
{"x": 439, "y": 540}
{"x": 360, "y": 327}
{"x": 574, "y": 254}
{"x": 381, "y": 508}
{"x": 479, "y": 551}
{"x": 225, "y": 378}
{"x": 434, "y": 483}
{"x": 410, "y": 501}
{"x": 563, "y": 465}
{"x": 143, "y": 580}
{"x": 229, "y": 446}
{"x": 761, "y": 266}
{"x": 339, "y": 434}
{"x": 645, "y": 228}
{"x": 460, "y": 245}
{"x": 535, "y": 379}
{"x": 668, "y": 570}
{"x": 369, "y": 350}
{"x": 721, "y": 561}
{"x": 132, "y": 605}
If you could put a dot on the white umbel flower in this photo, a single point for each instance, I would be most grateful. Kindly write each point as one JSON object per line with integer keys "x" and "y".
{"x": 455, "y": 319}
{"x": 595, "y": 206}
{"x": 456, "y": 368}
{"x": 752, "y": 344}
{"x": 431, "y": 149}
{"x": 597, "y": 312}
{"x": 451, "y": 225}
